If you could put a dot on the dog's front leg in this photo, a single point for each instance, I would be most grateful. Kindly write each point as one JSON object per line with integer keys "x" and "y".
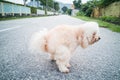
{"x": 68, "y": 64}
{"x": 62, "y": 57}
{"x": 62, "y": 67}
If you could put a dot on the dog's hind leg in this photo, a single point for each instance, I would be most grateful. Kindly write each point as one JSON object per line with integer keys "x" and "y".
{"x": 52, "y": 57}
{"x": 62, "y": 57}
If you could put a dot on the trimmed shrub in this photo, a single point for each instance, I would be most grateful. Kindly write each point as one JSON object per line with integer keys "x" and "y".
{"x": 115, "y": 20}
{"x": 80, "y": 13}
{"x": 33, "y": 10}
{"x": 69, "y": 11}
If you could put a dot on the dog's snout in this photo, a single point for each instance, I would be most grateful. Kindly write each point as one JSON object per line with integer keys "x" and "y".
{"x": 99, "y": 38}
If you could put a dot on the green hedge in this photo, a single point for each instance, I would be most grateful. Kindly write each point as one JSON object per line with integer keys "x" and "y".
{"x": 33, "y": 10}
{"x": 80, "y": 13}
{"x": 115, "y": 20}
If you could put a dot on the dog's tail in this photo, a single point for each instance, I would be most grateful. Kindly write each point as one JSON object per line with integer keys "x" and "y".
{"x": 38, "y": 42}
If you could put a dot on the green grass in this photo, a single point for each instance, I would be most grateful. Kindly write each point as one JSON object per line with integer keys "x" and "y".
{"x": 22, "y": 17}
{"x": 13, "y": 18}
{"x": 112, "y": 27}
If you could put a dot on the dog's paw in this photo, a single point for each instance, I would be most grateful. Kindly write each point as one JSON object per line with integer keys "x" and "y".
{"x": 68, "y": 65}
{"x": 64, "y": 70}
{"x": 53, "y": 60}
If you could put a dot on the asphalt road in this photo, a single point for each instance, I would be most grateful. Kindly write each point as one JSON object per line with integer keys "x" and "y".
{"x": 100, "y": 61}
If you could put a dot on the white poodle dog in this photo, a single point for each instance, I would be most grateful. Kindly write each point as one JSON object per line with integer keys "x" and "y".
{"x": 62, "y": 41}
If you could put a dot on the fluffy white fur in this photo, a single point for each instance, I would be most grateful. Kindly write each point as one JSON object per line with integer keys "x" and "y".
{"x": 62, "y": 40}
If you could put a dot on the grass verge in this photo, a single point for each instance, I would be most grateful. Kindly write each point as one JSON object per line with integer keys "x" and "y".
{"x": 112, "y": 27}
{"x": 19, "y": 17}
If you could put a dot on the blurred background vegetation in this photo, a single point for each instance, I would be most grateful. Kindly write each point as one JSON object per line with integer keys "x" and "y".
{"x": 88, "y": 9}
{"x": 102, "y": 10}
{"x": 105, "y": 12}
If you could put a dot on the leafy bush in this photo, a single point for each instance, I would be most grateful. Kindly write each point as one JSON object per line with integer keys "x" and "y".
{"x": 115, "y": 20}
{"x": 87, "y": 8}
{"x": 33, "y": 10}
{"x": 80, "y": 13}
{"x": 69, "y": 11}
{"x": 88, "y": 12}
{"x": 104, "y": 3}
{"x": 113, "y": 27}
{"x": 64, "y": 9}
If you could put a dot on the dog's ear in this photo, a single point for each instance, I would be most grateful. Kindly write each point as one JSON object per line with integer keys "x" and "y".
{"x": 92, "y": 38}
{"x": 82, "y": 39}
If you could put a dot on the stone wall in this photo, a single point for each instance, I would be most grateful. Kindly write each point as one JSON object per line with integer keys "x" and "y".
{"x": 111, "y": 10}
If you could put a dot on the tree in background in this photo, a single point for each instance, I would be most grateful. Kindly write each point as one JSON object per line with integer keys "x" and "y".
{"x": 77, "y": 4}
{"x": 69, "y": 11}
{"x": 104, "y": 3}
{"x": 24, "y": 2}
{"x": 43, "y": 3}
{"x": 48, "y": 4}
{"x": 56, "y": 6}
{"x": 64, "y": 9}
{"x": 87, "y": 8}
{"x": 37, "y": 3}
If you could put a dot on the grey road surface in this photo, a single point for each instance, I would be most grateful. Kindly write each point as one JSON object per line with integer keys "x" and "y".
{"x": 100, "y": 61}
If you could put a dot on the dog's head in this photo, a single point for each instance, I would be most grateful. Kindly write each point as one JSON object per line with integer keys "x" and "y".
{"x": 88, "y": 34}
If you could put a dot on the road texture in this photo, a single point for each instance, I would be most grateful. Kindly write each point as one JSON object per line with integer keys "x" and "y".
{"x": 100, "y": 61}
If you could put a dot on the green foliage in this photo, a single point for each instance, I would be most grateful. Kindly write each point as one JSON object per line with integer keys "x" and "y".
{"x": 77, "y": 4}
{"x": 48, "y": 3}
{"x": 40, "y": 8}
{"x": 84, "y": 7}
{"x": 89, "y": 12}
{"x": 24, "y": 2}
{"x": 80, "y": 13}
{"x": 69, "y": 11}
{"x": 112, "y": 27}
{"x": 64, "y": 9}
{"x": 87, "y": 8}
{"x": 56, "y": 6}
{"x": 105, "y": 3}
{"x": 43, "y": 2}
{"x": 33, "y": 10}
{"x": 115, "y": 20}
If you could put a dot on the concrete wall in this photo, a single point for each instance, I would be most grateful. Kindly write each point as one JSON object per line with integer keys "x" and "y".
{"x": 42, "y": 12}
{"x": 13, "y": 9}
{"x": 7, "y": 8}
{"x": 111, "y": 10}
{"x": 96, "y": 12}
